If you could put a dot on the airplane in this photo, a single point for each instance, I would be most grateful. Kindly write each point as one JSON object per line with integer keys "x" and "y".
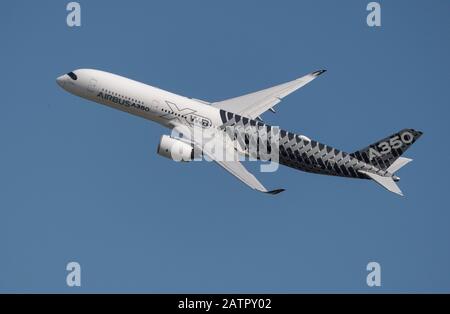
{"x": 378, "y": 162}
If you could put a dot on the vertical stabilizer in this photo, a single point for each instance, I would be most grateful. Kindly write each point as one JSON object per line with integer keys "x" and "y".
{"x": 385, "y": 152}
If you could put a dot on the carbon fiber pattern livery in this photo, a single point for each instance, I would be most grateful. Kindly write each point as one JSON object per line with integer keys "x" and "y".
{"x": 298, "y": 152}
{"x": 383, "y": 153}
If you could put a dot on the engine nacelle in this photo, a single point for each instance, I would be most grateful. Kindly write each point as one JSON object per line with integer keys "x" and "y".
{"x": 174, "y": 149}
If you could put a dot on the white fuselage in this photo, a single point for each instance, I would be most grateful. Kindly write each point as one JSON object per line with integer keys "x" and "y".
{"x": 139, "y": 99}
{"x": 295, "y": 151}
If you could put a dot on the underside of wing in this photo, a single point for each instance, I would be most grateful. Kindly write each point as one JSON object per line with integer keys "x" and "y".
{"x": 211, "y": 149}
{"x": 254, "y": 104}
{"x": 237, "y": 169}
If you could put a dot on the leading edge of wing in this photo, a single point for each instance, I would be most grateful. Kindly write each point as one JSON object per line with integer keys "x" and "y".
{"x": 254, "y": 104}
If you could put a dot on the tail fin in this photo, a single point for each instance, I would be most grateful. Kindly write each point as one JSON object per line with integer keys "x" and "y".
{"x": 384, "y": 153}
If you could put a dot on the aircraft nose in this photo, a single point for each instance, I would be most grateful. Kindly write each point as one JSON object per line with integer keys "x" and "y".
{"x": 61, "y": 80}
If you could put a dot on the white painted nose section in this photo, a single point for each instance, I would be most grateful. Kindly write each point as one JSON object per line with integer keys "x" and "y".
{"x": 61, "y": 80}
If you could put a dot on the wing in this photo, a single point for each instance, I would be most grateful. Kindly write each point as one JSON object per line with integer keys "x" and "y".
{"x": 232, "y": 165}
{"x": 237, "y": 169}
{"x": 254, "y": 104}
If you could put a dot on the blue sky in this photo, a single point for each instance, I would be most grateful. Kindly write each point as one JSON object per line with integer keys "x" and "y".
{"x": 82, "y": 182}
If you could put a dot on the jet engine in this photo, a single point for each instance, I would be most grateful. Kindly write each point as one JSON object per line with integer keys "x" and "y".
{"x": 175, "y": 149}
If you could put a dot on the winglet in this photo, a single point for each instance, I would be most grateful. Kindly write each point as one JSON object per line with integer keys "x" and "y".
{"x": 275, "y": 192}
{"x": 317, "y": 73}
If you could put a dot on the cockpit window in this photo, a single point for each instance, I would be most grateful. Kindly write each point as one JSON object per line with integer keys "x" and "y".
{"x": 72, "y": 76}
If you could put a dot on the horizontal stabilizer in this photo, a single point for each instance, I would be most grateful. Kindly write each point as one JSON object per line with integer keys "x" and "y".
{"x": 386, "y": 182}
{"x": 398, "y": 163}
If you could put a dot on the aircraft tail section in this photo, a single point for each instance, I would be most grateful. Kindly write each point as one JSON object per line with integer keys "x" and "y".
{"x": 387, "y": 182}
{"x": 398, "y": 163}
{"x": 384, "y": 153}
